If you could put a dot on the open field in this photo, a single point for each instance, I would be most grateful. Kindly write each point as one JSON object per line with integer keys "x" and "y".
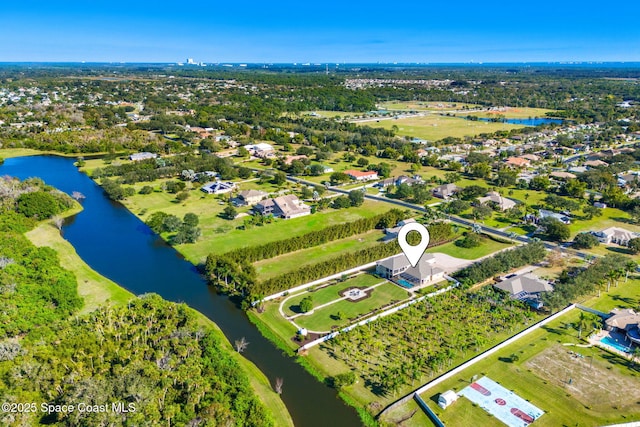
{"x": 513, "y": 113}
{"x": 487, "y": 247}
{"x": 558, "y": 399}
{"x": 434, "y": 127}
{"x": 323, "y": 319}
{"x": 563, "y": 403}
{"x": 295, "y": 260}
{"x": 426, "y": 106}
{"x": 95, "y": 289}
{"x": 220, "y": 235}
{"x": 7, "y": 153}
{"x": 329, "y": 293}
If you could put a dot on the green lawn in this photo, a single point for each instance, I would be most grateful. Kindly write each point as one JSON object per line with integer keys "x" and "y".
{"x": 514, "y": 113}
{"x": 433, "y": 127}
{"x": 221, "y": 235}
{"x": 324, "y": 319}
{"x": 329, "y": 293}
{"x": 295, "y": 260}
{"x": 626, "y": 294}
{"x": 557, "y": 402}
{"x": 487, "y": 247}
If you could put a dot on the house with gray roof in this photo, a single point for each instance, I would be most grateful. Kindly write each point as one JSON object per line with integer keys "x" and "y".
{"x": 527, "y": 287}
{"x": 445, "y": 191}
{"x": 495, "y": 197}
{"x": 616, "y": 235}
{"x": 398, "y": 267}
{"x": 624, "y": 320}
{"x": 218, "y": 187}
{"x": 251, "y": 197}
{"x": 286, "y": 207}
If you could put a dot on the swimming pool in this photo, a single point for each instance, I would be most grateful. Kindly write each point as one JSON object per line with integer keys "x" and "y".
{"x": 611, "y": 342}
{"x": 405, "y": 283}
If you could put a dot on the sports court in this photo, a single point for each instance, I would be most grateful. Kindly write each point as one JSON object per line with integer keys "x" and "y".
{"x": 503, "y": 404}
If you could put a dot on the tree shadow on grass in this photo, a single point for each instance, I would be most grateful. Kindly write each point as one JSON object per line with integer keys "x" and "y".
{"x": 556, "y": 331}
{"x": 619, "y": 250}
{"x": 296, "y": 309}
{"x": 623, "y": 220}
{"x": 376, "y": 388}
{"x": 620, "y": 361}
{"x": 627, "y": 300}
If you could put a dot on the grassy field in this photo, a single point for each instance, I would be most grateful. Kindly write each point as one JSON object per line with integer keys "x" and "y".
{"x": 95, "y": 289}
{"x": 425, "y": 106}
{"x": 577, "y": 404}
{"x": 325, "y": 318}
{"x": 220, "y": 235}
{"x": 433, "y": 127}
{"x": 329, "y": 293}
{"x": 514, "y": 113}
{"x": 299, "y": 259}
{"x": 487, "y": 247}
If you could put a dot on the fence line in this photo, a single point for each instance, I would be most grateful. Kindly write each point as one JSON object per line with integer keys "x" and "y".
{"x": 477, "y": 358}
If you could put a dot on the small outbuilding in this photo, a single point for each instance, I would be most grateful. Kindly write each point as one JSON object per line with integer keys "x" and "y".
{"x": 447, "y": 398}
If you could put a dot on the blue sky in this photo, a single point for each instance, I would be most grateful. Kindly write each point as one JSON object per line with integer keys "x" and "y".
{"x": 319, "y": 31}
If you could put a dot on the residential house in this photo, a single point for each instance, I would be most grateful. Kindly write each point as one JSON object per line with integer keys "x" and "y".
{"x": 286, "y": 207}
{"x": 262, "y": 150}
{"x": 527, "y": 287}
{"x": 362, "y": 176}
{"x": 136, "y": 157}
{"x": 562, "y": 175}
{"x": 543, "y": 213}
{"x": 530, "y": 157}
{"x": 517, "y": 162}
{"x": 399, "y": 268}
{"x": 251, "y": 197}
{"x": 616, "y": 235}
{"x": 445, "y": 191}
{"x": 624, "y": 320}
{"x": 628, "y": 180}
{"x": 218, "y": 187}
{"x": 495, "y": 197}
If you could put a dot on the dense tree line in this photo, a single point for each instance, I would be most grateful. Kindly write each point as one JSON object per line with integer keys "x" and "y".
{"x": 501, "y": 263}
{"x": 169, "y": 167}
{"x": 34, "y": 289}
{"x": 239, "y": 277}
{"x": 575, "y": 283}
{"x": 152, "y": 354}
{"x": 315, "y": 238}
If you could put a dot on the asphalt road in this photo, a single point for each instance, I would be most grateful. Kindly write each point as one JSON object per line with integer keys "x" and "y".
{"x": 452, "y": 218}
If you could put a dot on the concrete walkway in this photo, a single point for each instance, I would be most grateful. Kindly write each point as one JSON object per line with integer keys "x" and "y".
{"x": 290, "y": 318}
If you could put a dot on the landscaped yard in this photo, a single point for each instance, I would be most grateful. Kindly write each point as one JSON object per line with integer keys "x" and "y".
{"x": 328, "y": 293}
{"x": 323, "y": 319}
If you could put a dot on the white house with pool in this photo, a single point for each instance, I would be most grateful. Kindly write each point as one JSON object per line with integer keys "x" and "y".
{"x": 398, "y": 269}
